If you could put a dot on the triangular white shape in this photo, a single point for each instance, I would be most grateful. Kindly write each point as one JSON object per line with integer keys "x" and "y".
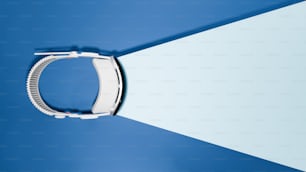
{"x": 241, "y": 86}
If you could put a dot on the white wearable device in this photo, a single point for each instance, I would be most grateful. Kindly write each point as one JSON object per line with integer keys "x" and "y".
{"x": 110, "y": 84}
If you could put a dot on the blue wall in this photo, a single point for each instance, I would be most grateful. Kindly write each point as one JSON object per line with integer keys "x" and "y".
{"x": 31, "y": 141}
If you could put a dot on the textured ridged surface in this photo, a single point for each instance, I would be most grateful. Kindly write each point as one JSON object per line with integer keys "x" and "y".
{"x": 33, "y": 85}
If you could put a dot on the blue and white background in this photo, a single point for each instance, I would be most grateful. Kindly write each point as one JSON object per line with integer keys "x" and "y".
{"x": 31, "y": 141}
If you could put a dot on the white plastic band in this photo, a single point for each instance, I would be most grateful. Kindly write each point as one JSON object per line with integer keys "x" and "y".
{"x": 110, "y": 87}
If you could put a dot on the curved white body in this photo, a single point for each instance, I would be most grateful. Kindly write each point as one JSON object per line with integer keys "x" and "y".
{"x": 110, "y": 84}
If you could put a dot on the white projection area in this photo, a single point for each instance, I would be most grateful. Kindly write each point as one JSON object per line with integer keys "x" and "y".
{"x": 241, "y": 86}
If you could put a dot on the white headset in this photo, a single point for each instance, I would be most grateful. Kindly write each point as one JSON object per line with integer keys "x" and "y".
{"x": 110, "y": 84}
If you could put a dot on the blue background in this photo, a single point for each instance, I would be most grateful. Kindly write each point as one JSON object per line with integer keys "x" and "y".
{"x": 31, "y": 141}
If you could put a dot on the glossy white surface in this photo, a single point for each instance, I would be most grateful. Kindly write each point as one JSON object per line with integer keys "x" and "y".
{"x": 110, "y": 86}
